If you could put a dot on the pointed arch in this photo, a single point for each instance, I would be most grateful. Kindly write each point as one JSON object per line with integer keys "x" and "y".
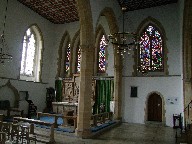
{"x": 64, "y": 49}
{"x": 100, "y": 58}
{"x": 162, "y": 103}
{"x": 31, "y": 64}
{"x": 113, "y": 27}
{"x": 76, "y": 53}
{"x": 111, "y": 19}
{"x": 158, "y": 31}
{"x": 15, "y": 92}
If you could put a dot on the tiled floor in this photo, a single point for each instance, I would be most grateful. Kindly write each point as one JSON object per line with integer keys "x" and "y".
{"x": 124, "y": 134}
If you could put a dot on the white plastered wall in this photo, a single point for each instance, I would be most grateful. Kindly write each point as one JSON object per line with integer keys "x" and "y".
{"x": 170, "y": 86}
{"x": 19, "y": 18}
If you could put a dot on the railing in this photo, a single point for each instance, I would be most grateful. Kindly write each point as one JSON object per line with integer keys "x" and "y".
{"x": 101, "y": 118}
{"x": 188, "y": 116}
{"x": 67, "y": 120}
{"x": 177, "y": 124}
{"x": 178, "y": 120}
{"x": 32, "y": 122}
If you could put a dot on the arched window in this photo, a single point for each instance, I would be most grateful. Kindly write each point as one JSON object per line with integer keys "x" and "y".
{"x": 67, "y": 59}
{"x": 78, "y": 60}
{"x": 151, "y": 51}
{"x": 64, "y": 60}
{"x": 102, "y": 55}
{"x": 31, "y": 55}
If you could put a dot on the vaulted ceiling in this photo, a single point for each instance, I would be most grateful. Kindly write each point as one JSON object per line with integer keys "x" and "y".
{"x": 65, "y": 11}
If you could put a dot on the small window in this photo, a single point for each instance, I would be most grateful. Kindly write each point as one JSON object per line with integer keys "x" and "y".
{"x": 64, "y": 60}
{"x": 67, "y": 59}
{"x": 78, "y": 60}
{"x": 102, "y": 55}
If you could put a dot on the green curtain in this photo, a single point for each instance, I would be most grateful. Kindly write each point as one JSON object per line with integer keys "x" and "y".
{"x": 58, "y": 89}
{"x": 104, "y": 94}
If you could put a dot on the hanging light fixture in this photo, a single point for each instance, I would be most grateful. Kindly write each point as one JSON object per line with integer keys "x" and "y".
{"x": 4, "y": 56}
{"x": 124, "y": 41}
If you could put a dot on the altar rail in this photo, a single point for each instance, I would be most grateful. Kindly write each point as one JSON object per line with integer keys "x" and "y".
{"x": 95, "y": 119}
{"x": 32, "y": 122}
{"x": 101, "y": 118}
{"x": 56, "y": 116}
{"x": 62, "y": 107}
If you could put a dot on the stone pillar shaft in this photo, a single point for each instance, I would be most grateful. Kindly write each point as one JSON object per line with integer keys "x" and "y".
{"x": 84, "y": 108}
{"x": 117, "y": 86}
{"x": 87, "y": 46}
{"x": 187, "y": 52}
{"x": 187, "y": 57}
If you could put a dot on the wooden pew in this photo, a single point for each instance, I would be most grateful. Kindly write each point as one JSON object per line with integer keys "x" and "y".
{"x": 32, "y": 122}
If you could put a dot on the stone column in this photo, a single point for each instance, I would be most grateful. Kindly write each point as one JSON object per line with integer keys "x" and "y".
{"x": 84, "y": 108}
{"x": 117, "y": 86}
{"x": 187, "y": 52}
{"x": 87, "y": 46}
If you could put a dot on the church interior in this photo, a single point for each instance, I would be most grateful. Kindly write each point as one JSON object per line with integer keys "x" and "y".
{"x": 78, "y": 69}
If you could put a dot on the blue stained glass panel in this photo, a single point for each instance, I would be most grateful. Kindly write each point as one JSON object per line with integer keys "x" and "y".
{"x": 78, "y": 60}
{"x": 67, "y": 58}
{"x": 102, "y": 55}
{"x": 151, "y": 50}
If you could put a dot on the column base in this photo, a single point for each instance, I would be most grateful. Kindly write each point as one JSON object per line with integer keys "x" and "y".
{"x": 84, "y": 133}
{"x": 117, "y": 118}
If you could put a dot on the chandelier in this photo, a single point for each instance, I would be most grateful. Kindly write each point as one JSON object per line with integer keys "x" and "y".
{"x": 4, "y": 56}
{"x": 123, "y": 41}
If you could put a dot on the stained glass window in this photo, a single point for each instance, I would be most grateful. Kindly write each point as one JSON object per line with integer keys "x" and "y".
{"x": 28, "y": 54}
{"x": 78, "y": 60}
{"x": 102, "y": 55}
{"x": 67, "y": 59}
{"x": 151, "y": 50}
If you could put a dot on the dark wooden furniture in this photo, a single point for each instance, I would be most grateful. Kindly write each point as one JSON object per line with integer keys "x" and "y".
{"x": 32, "y": 122}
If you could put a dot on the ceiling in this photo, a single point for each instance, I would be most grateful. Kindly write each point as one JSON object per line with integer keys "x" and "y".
{"x": 56, "y": 11}
{"x": 65, "y": 11}
{"x": 142, "y": 4}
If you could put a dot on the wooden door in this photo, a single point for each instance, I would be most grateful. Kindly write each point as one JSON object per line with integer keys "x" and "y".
{"x": 154, "y": 108}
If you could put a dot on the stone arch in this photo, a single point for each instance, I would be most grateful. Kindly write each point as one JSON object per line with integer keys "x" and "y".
{"x": 113, "y": 27}
{"x": 159, "y": 26}
{"x": 111, "y": 19}
{"x": 163, "y": 107}
{"x": 15, "y": 92}
{"x": 65, "y": 40}
{"x": 37, "y": 30}
{"x": 75, "y": 45}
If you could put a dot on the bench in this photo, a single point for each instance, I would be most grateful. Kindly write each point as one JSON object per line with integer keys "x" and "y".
{"x": 32, "y": 122}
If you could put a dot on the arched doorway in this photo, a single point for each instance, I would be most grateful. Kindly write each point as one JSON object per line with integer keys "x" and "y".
{"x": 155, "y": 108}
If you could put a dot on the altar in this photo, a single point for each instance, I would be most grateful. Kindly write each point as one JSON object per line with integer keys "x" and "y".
{"x": 63, "y": 107}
